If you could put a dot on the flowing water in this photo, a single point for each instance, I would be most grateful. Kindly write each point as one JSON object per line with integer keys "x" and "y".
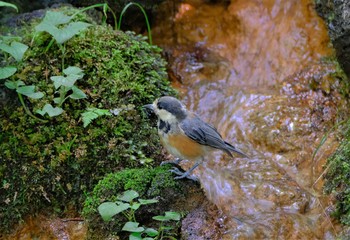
{"x": 258, "y": 71}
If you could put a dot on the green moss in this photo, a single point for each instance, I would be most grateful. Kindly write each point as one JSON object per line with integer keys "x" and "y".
{"x": 149, "y": 183}
{"x": 53, "y": 164}
{"x": 338, "y": 179}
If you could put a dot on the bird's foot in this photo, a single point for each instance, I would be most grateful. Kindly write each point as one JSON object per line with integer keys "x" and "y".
{"x": 173, "y": 162}
{"x": 182, "y": 175}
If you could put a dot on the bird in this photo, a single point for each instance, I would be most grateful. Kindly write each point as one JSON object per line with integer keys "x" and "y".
{"x": 185, "y": 135}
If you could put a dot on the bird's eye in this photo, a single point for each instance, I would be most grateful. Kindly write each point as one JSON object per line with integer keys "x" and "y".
{"x": 159, "y": 105}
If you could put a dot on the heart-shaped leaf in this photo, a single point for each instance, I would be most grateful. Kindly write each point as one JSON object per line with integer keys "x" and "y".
{"x": 51, "y": 111}
{"x": 52, "y": 19}
{"x": 132, "y": 227}
{"x": 108, "y": 209}
{"x": 128, "y": 196}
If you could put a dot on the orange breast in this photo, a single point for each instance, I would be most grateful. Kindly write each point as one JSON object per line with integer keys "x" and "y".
{"x": 183, "y": 147}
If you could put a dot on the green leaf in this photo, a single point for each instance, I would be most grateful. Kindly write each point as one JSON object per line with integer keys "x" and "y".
{"x": 16, "y": 49}
{"x": 132, "y": 227}
{"x": 72, "y": 29}
{"x": 36, "y": 95}
{"x": 59, "y": 81}
{"x": 5, "y": 4}
{"x": 136, "y": 236}
{"x": 71, "y": 70}
{"x": 14, "y": 84}
{"x": 166, "y": 228}
{"x": 151, "y": 232}
{"x": 6, "y": 72}
{"x": 168, "y": 216}
{"x": 29, "y": 91}
{"x": 160, "y": 218}
{"x": 64, "y": 34}
{"x": 51, "y": 111}
{"x": 128, "y": 196}
{"x": 77, "y": 93}
{"x": 135, "y": 206}
{"x": 173, "y": 215}
{"x": 26, "y": 90}
{"x": 107, "y": 210}
{"x": 72, "y": 75}
{"x": 51, "y": 22}
{"x": 147, "y": 201}
{"x": 58, "y": 100}
{"x": 93, "y": 113}
{"x": 52, "y": 19}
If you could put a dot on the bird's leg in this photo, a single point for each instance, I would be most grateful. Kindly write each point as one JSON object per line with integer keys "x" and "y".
{"x": 187, "y": 173}
{"x": 174, "y": 162}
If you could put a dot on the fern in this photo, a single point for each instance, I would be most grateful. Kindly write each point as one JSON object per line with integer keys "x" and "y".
{"x": 93, "y": 113}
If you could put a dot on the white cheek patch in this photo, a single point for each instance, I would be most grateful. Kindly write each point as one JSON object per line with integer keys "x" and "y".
{"x": 166, "y": 116}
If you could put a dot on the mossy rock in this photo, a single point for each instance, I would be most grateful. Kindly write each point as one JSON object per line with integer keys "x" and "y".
{"x": 338, "y": 178}
{"x": 155, "y": 183}
{"x": 52, "y": 164}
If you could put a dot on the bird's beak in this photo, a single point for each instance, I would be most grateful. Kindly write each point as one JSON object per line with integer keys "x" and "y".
{"x": 148, "y": 107}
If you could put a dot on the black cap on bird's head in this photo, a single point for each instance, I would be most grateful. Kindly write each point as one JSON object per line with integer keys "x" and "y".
{"x": 167, "y": 108}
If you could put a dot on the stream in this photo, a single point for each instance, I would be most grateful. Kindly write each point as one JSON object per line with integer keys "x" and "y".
{"x": 258, "y": 71}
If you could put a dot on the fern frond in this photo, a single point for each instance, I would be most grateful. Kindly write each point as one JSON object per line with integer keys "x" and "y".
{"x": 93, "y": 113}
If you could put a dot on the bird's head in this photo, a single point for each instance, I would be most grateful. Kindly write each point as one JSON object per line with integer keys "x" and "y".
{"x": 168, "y": 109}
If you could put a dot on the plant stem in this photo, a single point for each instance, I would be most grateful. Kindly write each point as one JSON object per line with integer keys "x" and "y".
{"x": 144, "y": 13}
{"x": 104, "y": 5}
{"x": 27, "y": 110}
{"x": 63, "y": 50}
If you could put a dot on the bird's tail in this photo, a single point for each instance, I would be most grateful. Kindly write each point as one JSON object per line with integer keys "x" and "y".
{"x": 231, "y": 148}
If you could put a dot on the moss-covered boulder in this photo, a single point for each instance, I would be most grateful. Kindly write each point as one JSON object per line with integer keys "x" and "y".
{"x": 53, "y": 163}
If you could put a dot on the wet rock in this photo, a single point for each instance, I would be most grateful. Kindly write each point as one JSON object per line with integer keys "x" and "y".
{"x": 203, "y": 223}
{"x": 44, "y": 227}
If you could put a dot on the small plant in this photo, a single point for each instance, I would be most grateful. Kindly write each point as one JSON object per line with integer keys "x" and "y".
{"x": 144, "y": 13}
{"x": 11, "y": 48}
{"x": 64, "y": 85}
{"x": 93, "y": 113}
{"x": 16, "y": 50}
{"x": 52, "y": 24}
{"x": 128, "y": 206}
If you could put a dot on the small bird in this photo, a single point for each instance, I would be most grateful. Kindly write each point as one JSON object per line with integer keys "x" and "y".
{"x": 185, "y": 135}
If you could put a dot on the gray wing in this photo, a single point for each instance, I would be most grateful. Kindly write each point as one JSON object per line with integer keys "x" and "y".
{"x": 202, "y": 132}
{"x": 206, "y": 134}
